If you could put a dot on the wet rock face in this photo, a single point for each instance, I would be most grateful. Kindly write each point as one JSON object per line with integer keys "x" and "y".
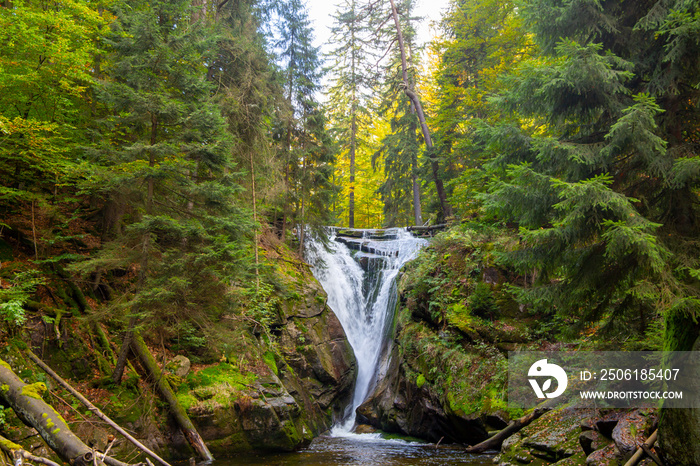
{"x": 311, "y": 381}
{"x": 316, "y": 350}
{"x": 398, "y": 405}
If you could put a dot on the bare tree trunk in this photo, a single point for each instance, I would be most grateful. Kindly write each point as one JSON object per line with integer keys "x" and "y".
{"x": 255, "y": 225}
{"x": 123, "y": 353}
{"x": 145, "y": 249}
{"x": 286, "y": 185}
{"x": 417, "y": 215}
{"x": 353, "y": 148}
{"x": 302, "y": 226}
{"x": 408, "y": 90}
{"x": 166, "y": 391}
{"x": 353, "y": 139}
{"x": 415, "y": 185}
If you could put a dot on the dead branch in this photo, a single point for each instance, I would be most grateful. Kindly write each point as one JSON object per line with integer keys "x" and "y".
{"x": 94, "y": 408}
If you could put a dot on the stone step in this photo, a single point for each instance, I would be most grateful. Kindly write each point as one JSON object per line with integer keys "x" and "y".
{"x": 367, "y": 245}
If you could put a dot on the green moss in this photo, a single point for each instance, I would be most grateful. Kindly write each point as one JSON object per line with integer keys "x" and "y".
{"x": 420, "y": 381}
{"x": 213, "y": 387}
{"x": 233, "y": 443}
{"x": 9, "y": 445}
{"x": 55, "y": 431}
{"x": 5, "y": 365}
{"x": 19, "y": 344}
{"x": 58, "y": 415}
{"x": 5, "y": 388}
{"x": 34, "y": 390}
{"x": 681, "y": 332}
{"x": 269, "y": 358}
{"x": 186, "y": 399}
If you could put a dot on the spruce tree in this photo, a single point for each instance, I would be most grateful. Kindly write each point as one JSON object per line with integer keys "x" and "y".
{"x": 300, "y": 129}
{"x": 164, "y": 163}
{"x": 600, "y": 173}
{"x": 480, "y": 41}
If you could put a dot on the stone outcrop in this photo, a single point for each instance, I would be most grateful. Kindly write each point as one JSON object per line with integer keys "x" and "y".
{"x": 310, "y": 381}
{"x": 575, "y": 436}
{"x": 399, "y": 405}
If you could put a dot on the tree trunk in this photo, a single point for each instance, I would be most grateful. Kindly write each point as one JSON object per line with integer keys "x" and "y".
{"x": 123, "y": 353}
{"x": 302, "y": 226}
{"x": 353, "y": 148}
{"x": 180, "y": 414}
{"x": 255, "y": 224}
{"x": 415, "y": 185}
{"x": 16, "y": 452}
{"x": 408, "y": 89}
{"x": 26, "y": 401}
{"x": 679, "y": 429}
{"x": 495, "y": 442}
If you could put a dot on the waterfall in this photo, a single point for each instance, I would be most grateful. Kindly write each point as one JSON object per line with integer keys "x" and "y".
{"x": 358, "y": 273}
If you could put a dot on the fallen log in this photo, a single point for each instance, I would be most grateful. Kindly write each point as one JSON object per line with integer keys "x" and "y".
{"x": 641, "y": 451}
{"x": 514, "y": 426}
{"x": 94, "y": 409}
{"x": 441, "y": 226}
{"x": 26, "y": 401}
{"x": 195, "y": 440}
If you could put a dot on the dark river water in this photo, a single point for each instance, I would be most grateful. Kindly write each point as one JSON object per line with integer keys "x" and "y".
{"x": 364, "y": 449}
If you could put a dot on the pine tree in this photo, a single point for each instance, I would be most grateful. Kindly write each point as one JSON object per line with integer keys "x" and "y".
{"x": 480, "y": 41}
{"x": 400, "y": 150}
{"x": 351, "y": 77}
{"x": 409, "y": 89}
{"x": 248, "y": 96}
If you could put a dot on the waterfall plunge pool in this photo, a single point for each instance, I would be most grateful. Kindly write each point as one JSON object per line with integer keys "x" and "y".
{"x": 362, "y": 449}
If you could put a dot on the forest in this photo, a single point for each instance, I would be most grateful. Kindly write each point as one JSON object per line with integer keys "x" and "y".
{"x": 163, "y": 164}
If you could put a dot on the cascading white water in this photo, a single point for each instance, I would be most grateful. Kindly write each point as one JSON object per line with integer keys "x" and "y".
{"x": 363, "y": 299}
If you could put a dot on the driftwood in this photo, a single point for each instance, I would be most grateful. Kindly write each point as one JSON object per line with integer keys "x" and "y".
{"x": 94, "y": 408}
{"x": 643, "y": 449}
{"x": 180, "y": 414}
{"x": 514, "y": 426}
{"x": 26, "y": 401}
